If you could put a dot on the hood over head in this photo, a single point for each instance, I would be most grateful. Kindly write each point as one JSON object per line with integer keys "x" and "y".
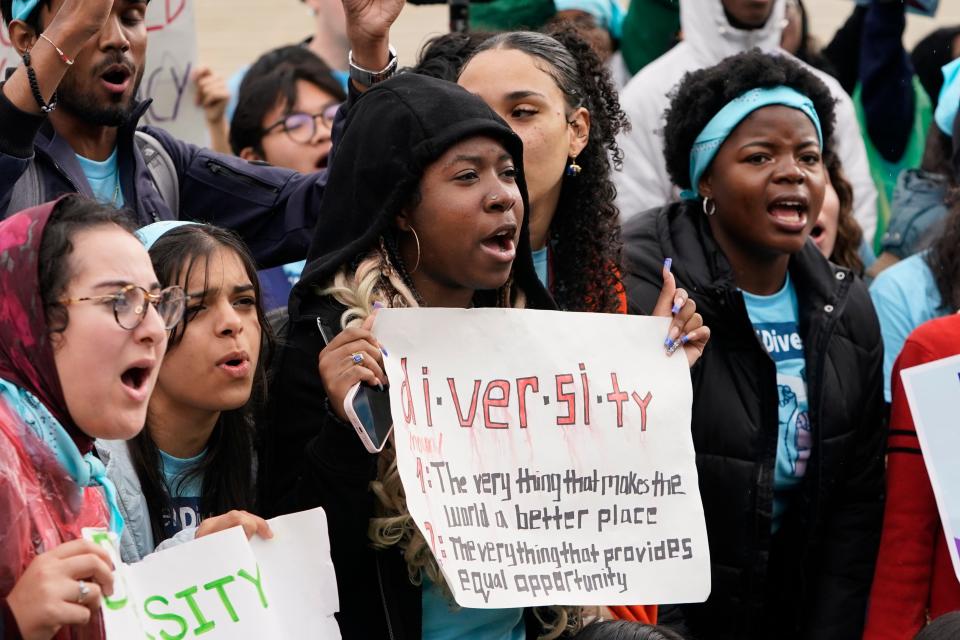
{"x": 393, "y": 132}
{"x": 707, "y": 31}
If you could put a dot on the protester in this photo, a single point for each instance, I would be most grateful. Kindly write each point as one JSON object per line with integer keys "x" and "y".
{"x": 553, "y": 93}
{"x": 787, "y": 412}
{"x": 190, "y": 472}
{"x": 82, "y": 336}
{"x": 444, "y": 224}
{"x": 915, "y": 579}
{"x": 644, "y": 182}
{"x": 922, "y": 287}
{"x": 88, "y": 144}
{"x": 285, "y": 114}
{"x": 836, "y": 234}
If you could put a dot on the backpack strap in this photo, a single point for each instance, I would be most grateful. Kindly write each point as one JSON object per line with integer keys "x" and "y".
{"x": 162, "y": 170}
{"x": 27, "y": 192}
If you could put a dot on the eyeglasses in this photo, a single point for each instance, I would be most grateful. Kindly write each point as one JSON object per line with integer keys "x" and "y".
{"x": 130, "y": 305}
{"x": 302, "y": 127}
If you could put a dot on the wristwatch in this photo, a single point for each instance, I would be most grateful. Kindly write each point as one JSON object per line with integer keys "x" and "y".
{"x": 369, "y": 78}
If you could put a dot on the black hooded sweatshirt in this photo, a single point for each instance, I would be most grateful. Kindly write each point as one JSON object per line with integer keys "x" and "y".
{"x": 308, "y": 457}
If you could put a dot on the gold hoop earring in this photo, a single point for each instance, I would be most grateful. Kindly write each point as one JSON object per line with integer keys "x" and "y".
{"x": 416, "y": 239}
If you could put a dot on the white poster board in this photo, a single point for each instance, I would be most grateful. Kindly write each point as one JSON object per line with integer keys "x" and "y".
{"x": 223, "y": 586}
{"x": 171, "y": 58}
{"x": 932, "y": 390}
{"x": 547, "y": 457}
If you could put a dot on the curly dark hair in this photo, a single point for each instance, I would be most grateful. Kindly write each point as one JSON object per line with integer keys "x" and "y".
{"x": 444, "y": 56}
{"x": 703, "y": 93}
{"x": 585, "y": 232}
{"x": 846, "y": 250}
{"x": 943, "y": 258}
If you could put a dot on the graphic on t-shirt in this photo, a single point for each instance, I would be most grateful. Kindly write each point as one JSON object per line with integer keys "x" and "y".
{"x": 795, "y": 436}
{"x": 183, "y": 514}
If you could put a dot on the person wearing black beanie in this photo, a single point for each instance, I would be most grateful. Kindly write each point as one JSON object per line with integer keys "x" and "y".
{"x": 426, "y": 206}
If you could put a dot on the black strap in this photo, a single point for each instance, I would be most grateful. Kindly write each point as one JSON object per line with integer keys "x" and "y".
{"x": 35, "y": 87}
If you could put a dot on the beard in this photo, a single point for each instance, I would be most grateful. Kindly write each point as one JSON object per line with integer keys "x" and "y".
{"x": 83, "y": 103}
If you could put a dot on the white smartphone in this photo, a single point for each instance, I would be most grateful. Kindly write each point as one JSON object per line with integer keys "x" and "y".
{"x": 369, "y": 412}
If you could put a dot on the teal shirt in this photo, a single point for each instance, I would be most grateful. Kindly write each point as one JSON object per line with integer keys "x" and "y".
{"x": 776, "y": 320}
{"x": 444, "y": 620}
{"x": 184, "y": 491}
{"x": 904, "y": 296}
{"x": 103, "y": 178}
{"x": 540, "y": 265}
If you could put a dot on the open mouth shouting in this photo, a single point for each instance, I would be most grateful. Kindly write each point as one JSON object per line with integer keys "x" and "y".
{"x": 235, "y": 364}
{"x": 116, "y": 79}
{"x": 502, "y": 243}
{"x": 789, "y": 212}
{"x": 136, "y": 379}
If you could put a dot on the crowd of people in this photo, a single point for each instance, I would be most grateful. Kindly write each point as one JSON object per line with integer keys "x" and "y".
{"x": 180, "y": 325}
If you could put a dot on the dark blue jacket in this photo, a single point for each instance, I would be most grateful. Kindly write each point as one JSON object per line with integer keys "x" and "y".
{"x": 274, "y": 210}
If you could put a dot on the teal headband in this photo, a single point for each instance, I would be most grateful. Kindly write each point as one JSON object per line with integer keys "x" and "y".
{"x": 949, "y": 98}
{"x": 152, "y": 232}
{"x": 720, "y": 127}
{"x": 23, "y": 8}
{"x": 608, "y": 13}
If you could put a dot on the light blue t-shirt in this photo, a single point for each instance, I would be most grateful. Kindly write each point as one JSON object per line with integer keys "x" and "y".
{"x": 540, "y": 264}
{"x": 184, "y": 494}
{"x": 776, "y": 320}
{"x": 444, "y": 620}
{"x": 904, "y": 296}
{"x": 104, "y": 179}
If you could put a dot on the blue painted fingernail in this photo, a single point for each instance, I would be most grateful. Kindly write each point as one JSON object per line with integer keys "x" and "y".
{"x": 667, "y": 264}
{"x": 668, "y": 343}
{"x": 383, "y": 350}
{"x": 685, "y": 339}
{"x": 675, "y": 309}
{"x": 377, "y": 305}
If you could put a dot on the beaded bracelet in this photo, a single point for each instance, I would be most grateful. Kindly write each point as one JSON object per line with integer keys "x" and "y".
{"x": 35, "y": 87}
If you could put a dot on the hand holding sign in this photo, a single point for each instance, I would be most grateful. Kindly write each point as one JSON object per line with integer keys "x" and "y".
{"x": 251, "y": 524}
{"x": 47, "y": 596}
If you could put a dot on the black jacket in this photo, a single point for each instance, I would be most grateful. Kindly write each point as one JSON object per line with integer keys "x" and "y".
{"x": 308, "y": 457}
{"x": 811, "y": 580}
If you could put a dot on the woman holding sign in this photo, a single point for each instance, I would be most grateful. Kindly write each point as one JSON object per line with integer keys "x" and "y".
{"x": 439, "y": 221}
{"x": 190, "y": 472}
{"x": 787, "y": 415}
{"x": 82, "y": 334}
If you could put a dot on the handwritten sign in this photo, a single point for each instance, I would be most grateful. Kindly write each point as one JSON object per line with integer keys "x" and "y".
{"x": 547, "y": 457}
{"x": 932, "y": 390}
{"x": 171, "y": 57}
{"x": 224, "y": 586}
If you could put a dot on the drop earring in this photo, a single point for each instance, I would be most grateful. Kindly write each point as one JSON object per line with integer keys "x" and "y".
{"x": 574, "y": 169}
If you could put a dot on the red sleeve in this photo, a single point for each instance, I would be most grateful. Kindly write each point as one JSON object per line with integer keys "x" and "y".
{"x": 901, "y": 585}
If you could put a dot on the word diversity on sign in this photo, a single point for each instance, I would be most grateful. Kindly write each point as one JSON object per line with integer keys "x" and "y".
{"x": 932, "y": 390}
{"x": 547, "y": 457}
{"x": 171, "y": 58}
{"x": 224, "y": 586}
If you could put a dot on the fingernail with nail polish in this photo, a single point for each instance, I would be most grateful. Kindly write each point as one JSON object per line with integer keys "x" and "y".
{"x": 668, "y": 263}
{"x": 377, "y": 305}
{"x": 675, "y": 310}
{"x": 383, "y": 350}
{"x": 685, "y": 339}
{"x": 668, "y": 343}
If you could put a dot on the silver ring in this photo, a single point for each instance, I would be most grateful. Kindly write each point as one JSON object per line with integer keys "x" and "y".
{"x": 357, "y": 357}
{"x": 84, "y": 591}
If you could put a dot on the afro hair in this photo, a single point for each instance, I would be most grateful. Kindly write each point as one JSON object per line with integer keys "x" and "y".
{"x": 703, "y": 93}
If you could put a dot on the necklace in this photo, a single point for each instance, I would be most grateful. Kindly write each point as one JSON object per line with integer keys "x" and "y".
{"x": 116, "y": 190}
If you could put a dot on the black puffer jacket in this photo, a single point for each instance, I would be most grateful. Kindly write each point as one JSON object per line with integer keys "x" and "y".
{"x": 810, "y": 580}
